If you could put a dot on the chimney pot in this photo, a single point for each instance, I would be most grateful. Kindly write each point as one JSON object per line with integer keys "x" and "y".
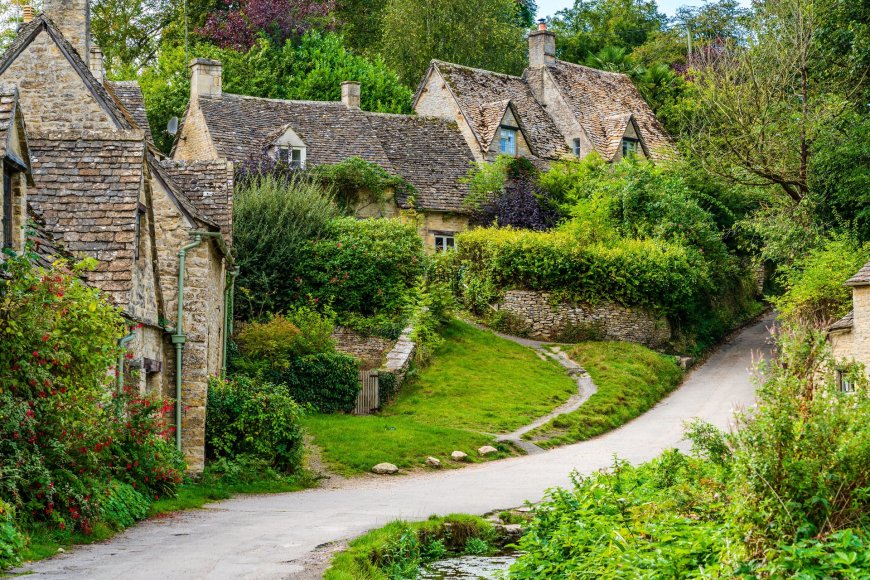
{"x": 542, "y": 24}
{"x": 27, "y": 14}
{"x": 351, "y": 94}
{"x": 206, "y": 78}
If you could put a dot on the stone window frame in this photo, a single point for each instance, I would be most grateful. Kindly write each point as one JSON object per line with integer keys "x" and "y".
{"x": 447, "y": 241}
{"x": 507, "y": 142}
{"x": 576, "y": 146}
{"x": 630, "y": 146}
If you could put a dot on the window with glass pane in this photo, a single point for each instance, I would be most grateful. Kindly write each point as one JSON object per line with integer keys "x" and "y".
{"x": 577, "y": 147}
{"x": 293, "y": 156}
{"x": 444, "y": 242}
{"x": 845, "y": 382}
{"x": 629, "y": 147}
{"x": 508, "y": 143}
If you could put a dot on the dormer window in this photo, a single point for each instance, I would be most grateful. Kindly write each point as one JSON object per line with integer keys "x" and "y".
{"x": 508, "y": 141}
{"x": 294, "y": 157}
{"x": 576, "y": 147}
{"x": 629, "y": 147}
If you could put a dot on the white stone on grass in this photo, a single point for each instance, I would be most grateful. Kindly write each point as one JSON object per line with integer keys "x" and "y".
{"x": 487, "y": 450}
{"x": 433, "y": 462}
{"x": 459, "y": 456}
{"x": 385, "y": 469}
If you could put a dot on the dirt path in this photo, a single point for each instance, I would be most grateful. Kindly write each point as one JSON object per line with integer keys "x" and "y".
{"x": 274, "y": 536}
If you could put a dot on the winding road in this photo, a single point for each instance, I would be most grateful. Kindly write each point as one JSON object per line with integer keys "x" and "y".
{"x": 270, "y": 536}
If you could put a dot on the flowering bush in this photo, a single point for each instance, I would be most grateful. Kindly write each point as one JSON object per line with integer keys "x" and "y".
{"x": 64, "y": 436}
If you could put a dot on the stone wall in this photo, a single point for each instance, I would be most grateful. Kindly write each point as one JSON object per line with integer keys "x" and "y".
{"x": 400, "y": 356}
{"x": 435, "y": 100}
{"x": 194, "y": 143}
{"x": 854, "y": 344}
{"x": 433, "y": 222}
{"x": 605, "y": 321}
{"x": 371, "y": 350}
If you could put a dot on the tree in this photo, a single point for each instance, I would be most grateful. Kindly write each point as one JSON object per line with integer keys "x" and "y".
{"x": 129, "y": 31}
{"x": 242, "y": 24}
{"x": 714, "y": 21}
{"x": 591, "y": 25}
{"x": 482, "y": 33}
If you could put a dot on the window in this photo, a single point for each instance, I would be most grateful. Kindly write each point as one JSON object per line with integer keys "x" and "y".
{"x": 444, "y": 242}
{"x": 845, "y": 382}
{"x": 7, "y": 207}
{"x": 140, "y": 215}
{"x": 629, "y": 146}
{"x": 508, "y": 142}
{"x": 577, "y": 147}
{"x": 294, "y": 157}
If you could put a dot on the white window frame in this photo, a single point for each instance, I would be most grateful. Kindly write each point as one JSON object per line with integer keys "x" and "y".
{"x": 445, "y": 241}
{"x": 286, "y": 155}
{"x": 576, "y": 147}
{"x": 630, "y": 146}
{"x": 508, "y": 141}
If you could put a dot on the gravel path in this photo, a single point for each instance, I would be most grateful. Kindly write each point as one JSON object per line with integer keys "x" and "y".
{"x": 273, "y": 536}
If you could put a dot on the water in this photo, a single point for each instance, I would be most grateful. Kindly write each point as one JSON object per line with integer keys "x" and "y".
{"x": 470, "y": 568}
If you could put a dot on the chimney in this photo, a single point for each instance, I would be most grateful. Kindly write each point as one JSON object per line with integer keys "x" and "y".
{"x": 542, "y": 46}
{"x": 206, "y": 78}
{"x": 350, "y": 94}
{"x": 27, "y": 14}
{"x": 96, "y": 64}
{"x": 73, "y": 18}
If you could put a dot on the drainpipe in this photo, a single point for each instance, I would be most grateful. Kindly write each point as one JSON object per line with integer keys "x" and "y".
{"x": 119, "y": 370}
{"x": 178, "y": 337}
{"x": 229, "y": 293}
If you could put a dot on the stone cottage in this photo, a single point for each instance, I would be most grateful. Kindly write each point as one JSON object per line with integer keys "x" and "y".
{"x": 15, "y": 173}
{"x": 429, "y": 153}
{"x": 102, "y": 190}
{"x": 555, "y": 109}
{"x": 850, "y": 336}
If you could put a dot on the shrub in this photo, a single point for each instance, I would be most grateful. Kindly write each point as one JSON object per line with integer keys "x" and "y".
{"x": 123, "y": 506}
{"x": 356, "y": 182}
{"x": 11, "y": 540}
{"x": 275, "y": 343}
{"x": 252, "y": 417}
{"x": 328, "y": 381}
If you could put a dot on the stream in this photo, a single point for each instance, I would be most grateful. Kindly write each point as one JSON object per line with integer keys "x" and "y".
{"x": 470, "y": 568}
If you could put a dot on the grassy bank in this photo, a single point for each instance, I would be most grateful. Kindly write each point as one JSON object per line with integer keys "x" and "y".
{"x": 630, "y": 379}
{"x": 478, "y": 385}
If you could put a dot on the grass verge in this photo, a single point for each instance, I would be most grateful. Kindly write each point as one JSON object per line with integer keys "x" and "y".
{"x": 400, "y": 549}
{"x": 477, "y": 385}
{"x": 630, "y": 379}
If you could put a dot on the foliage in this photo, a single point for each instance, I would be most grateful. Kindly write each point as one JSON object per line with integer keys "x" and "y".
{"x": 400, "y": 549}
{"x": 123, "y": 506}
{"x": 241, "y": 25}
{"x": 357, "y": 183}
{"x": 814, "y": 293}
{"x": 328, "y": 381}
{"x": 253, "y": 417}
{"x": 11, "y": 540}
{"x": 414, "y": 33}
{"x": 432, "y": 311}
{"x": 275, "y": 343}
{"x": 274, "y": 226}
{"x": 629, "y": 378}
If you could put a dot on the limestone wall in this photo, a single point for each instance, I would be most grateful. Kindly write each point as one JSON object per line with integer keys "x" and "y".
{"x": 398, "y": 360}
{"x": 432, "y": 222}
{"x": 194, "y": 143}
{"x": 605, "y": 321}
{"x": 370, "y": 350}
{"x": 435, "y": 100}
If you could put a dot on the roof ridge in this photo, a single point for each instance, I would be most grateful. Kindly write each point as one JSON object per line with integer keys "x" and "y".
{"x": 593, "y": 69}
{"x": 475, "y": 69}
{"x": 269, "y": 99}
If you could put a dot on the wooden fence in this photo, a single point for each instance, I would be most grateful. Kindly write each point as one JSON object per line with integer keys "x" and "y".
{"x": 368, "y": 399}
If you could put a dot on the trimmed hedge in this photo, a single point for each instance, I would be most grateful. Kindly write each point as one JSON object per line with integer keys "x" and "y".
{"x": 327, "y": 381}
{"x": 644, "y": 272}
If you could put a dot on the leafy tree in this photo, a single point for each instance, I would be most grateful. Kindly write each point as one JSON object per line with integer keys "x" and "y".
{"x": 714, "y": 21}
{"x": 129, "y": 31}
{"x": 591, "y": 25}
{"x": 361, "y": 23}
{"x": 242, "y": 24}
{"x": 482, "y": 33}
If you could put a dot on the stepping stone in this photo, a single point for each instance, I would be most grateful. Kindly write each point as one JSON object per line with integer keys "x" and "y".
{"x": 385, "y": 469}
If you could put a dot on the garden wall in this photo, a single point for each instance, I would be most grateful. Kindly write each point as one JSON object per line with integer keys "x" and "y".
{"x": 570, "y": 322}
{"x": 371, "y": 350}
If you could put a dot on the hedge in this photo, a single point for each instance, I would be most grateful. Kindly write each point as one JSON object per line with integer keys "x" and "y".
{"x": 645, "y": 272}
{"x": 327, "y": 381}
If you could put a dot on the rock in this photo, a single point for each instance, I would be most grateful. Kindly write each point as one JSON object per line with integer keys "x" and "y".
{"x": 459, "y": 456}
{"x": 510, "y": 532}
{"x": 433, "y": 462}
{"x": 385, "y": 469}
{"x": 61, "y": 551}
{"x": 487, "y": 450}
{"x": 685, "y": 362}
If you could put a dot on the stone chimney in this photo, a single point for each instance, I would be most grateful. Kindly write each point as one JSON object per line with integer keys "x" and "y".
{"x": 542, "y": 46}
{"x": 73, "y": 18}
{"x": 206, "y": 78}
{"x": 350, "y": 94}
{"x": 27, "y": 14}
{"x": 98, "y": 68}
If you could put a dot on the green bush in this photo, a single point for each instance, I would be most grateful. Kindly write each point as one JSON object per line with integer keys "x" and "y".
{"x": 328, "y": 381}
{"x": 276, "y": 342}
{"x": 11, "y": 540}
{"x": 357, "y": 182}
{"x": 253, "y": 417}
{"x": 123, "y": 506}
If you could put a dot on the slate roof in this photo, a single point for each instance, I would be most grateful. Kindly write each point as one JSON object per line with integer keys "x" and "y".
{"x": 87, "y": 192}
{"x": 861, "y": 278}
{"x": 431, "y": 154}
{"x": 602, "y": 102}
{"x": 476, "y": 91}
{"x": 844, "y": 323}
{"x": 45, "y": 245}
{"x": 30, "y": 30}
{"x": 8, "y": 104}
{"x": 208, "y": 186}
{"x": 128, "y": 95}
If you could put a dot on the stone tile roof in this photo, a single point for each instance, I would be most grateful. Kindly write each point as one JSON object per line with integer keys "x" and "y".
{"x": 178, "y": 194}
{"x": 208, "y": 185}
{"x": 861, "y": 278}
{"x": 844, "y": 323}
{"x": 87, "y": 192}
{"x": 30, "y": 30}
{"x": 8, "y": 104}
{"x": 475, "y": 90}
{"x": 45, "y": 246}
{"x": 128, "y": 95}
{"x": 241, "y": 128}
{"x": 429, "y": 153}
{"x": 601, "y": 100}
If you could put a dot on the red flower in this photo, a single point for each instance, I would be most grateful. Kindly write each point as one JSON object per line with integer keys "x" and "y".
{"x": 45, "y": 337}
{"x": 36, "y": 354}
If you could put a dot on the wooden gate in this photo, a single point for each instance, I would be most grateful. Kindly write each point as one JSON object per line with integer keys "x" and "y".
{"x": 368, "y": 399}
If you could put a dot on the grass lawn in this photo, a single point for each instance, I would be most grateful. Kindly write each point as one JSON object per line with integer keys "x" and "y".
{"x": 630, "y": 380}
{"x": 477, "y": 385}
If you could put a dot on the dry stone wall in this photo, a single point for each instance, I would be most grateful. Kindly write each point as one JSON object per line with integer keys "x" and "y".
{"x": 606, "y": 321}
{"x": 368, "y": 349}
